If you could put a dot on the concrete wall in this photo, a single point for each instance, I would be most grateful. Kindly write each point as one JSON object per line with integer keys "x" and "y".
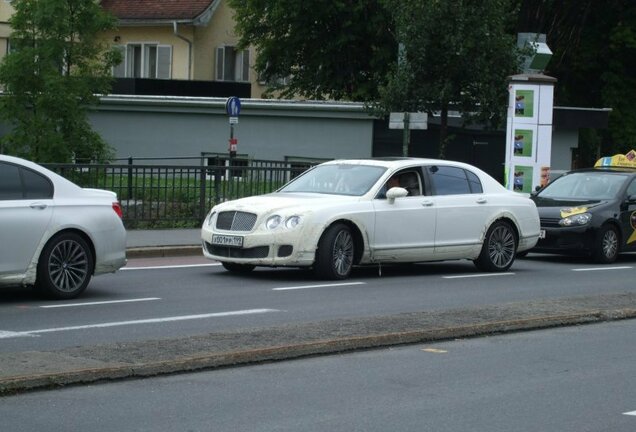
{"x": 146, "y": 126}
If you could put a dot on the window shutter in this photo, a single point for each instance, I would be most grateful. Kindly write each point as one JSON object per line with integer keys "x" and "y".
{"x": 220, "y": 64}
{"x": 164, "y": 61}
{"x": 119, "y": 71}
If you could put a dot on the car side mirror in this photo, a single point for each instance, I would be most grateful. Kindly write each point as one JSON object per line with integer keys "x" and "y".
{"x": 394, "y": 193}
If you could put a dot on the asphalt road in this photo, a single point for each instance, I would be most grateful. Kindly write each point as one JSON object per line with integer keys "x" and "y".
{"x": 574, "y": 379}
{"x": 185, "y": 296}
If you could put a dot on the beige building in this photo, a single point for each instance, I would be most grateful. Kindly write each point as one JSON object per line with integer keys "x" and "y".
{"x": 171, "y": 39}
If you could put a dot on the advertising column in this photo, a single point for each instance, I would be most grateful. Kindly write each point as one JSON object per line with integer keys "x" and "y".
{"x": 529, "y": 132}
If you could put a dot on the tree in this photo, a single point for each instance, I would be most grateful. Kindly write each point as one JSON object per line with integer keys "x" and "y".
{"x": 324, "y": 48}
{"x": 594, "y": 46}
{"x": 51, "y": 75}
{"x": 454, "y": 55}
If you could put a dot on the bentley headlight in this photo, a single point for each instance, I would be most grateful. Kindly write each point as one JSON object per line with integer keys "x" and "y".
{"x": 292, "y": 222}
{"x": 273, "y": 222}
{"x": 576, "y": 220}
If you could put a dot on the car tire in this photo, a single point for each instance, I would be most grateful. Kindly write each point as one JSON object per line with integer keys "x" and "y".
{"x": 65, "y": 266}
{"x": 499, "y": 248}
{"x": 606, "y": 245}
{"x": 238, "y": 268}
{"x": 335, "y": 254}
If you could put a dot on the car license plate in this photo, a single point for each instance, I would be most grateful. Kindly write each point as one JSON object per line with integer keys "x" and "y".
{"x": 227, "y": 240}
{"x": 542, "y": 234}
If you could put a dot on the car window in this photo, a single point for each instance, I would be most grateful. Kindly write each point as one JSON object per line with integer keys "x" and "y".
{"x": 449, "y": 180}
{"x": 584, "y": 185}
{"x": 409, "y": 179}
{"x": 337, "y": 179}
{"x": 631, "y": 190}
{"x": 36, "y": 185}
{"x": 474, "y": 182}
{"x": 10, "y": 183}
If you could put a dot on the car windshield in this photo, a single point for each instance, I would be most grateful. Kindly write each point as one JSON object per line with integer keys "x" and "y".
{"x": 336, "y": 179}
{"x": 584, "y": 185}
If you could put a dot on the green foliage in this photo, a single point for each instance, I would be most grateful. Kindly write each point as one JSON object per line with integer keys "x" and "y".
{"x": 340, "y": 49}
{"x": 456, "y": 55}
{"x": 50, "y": 77}
{"x": 594, "y": 46}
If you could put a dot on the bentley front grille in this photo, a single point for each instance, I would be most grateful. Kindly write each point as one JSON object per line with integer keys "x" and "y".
{"x": 235, "y": 221}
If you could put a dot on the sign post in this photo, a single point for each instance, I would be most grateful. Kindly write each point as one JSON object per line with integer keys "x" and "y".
{"x": 407, "y": 121}
{"x": 233, "y": 109}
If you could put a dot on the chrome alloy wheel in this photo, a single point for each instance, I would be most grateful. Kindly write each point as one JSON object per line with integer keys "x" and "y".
{"x": 609, "y": 244}
{"x": 68, "y": 266}
{"x": 501, "y": 246}
{"x": 342, "y": 256}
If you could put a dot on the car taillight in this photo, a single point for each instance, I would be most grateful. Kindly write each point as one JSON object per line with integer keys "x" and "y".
{"x": 117, "y": 209}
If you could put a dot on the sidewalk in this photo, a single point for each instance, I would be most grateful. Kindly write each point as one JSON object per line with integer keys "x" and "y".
{"x": 163, "y": 242}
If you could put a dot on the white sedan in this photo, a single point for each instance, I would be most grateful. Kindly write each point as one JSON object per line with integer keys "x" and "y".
{"x": 371, "y": 211}
{"x": 54, "y": 234}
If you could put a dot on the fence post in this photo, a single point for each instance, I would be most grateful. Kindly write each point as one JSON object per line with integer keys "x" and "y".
{"x": 130, "y": 178}
{"x": 202, "y": 195}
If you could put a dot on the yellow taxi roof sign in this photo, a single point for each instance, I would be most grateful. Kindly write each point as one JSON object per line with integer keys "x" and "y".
{"x": 627, "y": 160}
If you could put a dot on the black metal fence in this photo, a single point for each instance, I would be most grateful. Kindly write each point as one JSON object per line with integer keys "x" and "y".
{"x": 170, "y": 196}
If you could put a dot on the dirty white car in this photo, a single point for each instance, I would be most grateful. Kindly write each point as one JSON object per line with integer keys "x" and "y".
{"x": 54, "y": 234}
{"x": 360, "y": 212}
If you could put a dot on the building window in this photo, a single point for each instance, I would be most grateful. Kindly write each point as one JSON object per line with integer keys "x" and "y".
{"x": 232, "y": 64}
{"x": 144, "y": 60}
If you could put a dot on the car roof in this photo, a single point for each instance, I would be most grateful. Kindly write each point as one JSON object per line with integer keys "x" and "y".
{"x": 397, "y": 162}
{"x": 605, "y": 169}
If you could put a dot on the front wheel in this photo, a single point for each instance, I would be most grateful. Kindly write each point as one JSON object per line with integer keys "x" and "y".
{"x": 238, "y": 268}
{"x": 500, "y": 245}
{"x": 334, "y": 257}
{"x": 65, "y": 266}
{"x": 607, "y": 245}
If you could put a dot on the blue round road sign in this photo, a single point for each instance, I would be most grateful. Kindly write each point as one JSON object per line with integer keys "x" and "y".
{"x": 233, "y": 106}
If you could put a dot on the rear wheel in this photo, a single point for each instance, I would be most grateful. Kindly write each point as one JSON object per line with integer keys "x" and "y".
{"x": 65, "y": 266}
{"x": 500, "y": 245}
{"x": 238, "y": 268}
{"x": 334, "y": 257}
{"x": 607, "y": 245}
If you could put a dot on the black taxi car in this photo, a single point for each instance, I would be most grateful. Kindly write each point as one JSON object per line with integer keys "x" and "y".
{"x": 590, "y": 211}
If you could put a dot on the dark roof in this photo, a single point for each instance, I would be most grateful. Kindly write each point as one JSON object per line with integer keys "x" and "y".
{"x": 156, "y": 9}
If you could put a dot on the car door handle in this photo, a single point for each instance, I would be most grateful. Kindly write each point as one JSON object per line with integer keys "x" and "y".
{"x": 38, "y": 206}
{"x": 482, "y": 200}
{"x": 427, "y": 203}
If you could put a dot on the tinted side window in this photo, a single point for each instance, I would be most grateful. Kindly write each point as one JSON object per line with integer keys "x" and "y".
{"x": 36, "y": 185}
{"x": 475, "y": 183}
{"x": 10, "y": 184}
{"x": 449, "y": 180}
{"x": 631, "y": 189}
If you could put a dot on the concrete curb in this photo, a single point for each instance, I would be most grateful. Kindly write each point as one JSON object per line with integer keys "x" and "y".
{"x": 163, "y": 251}
{"x": 215, "y": 350}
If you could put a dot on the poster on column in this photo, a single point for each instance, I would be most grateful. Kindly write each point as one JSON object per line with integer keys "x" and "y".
{"x": 522, "y": 142}
{"x": 524, "y": 103}
{"x": 522, "y": 178}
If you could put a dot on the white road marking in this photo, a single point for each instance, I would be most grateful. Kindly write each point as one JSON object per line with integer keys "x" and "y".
{"x": 631, "y": 413}
{"x": 170, "y": 266}
{"x": 9, "y": 334}
{"x": 602, "y": 268}
{"x": 478, "y": 275}
{"x": 317, "y": 286}
{"x": 99, "y": 303}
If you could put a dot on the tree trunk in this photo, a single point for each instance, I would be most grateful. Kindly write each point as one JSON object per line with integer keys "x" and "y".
{"x": 443, "y": 130}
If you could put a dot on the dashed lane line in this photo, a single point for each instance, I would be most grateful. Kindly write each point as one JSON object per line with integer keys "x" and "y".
{"x": 99, "y": 303}
{"x": 601, "y": 268}
{"x": 170, "y": 266}
{"x": 478, "y": 275}
{"x": 301, "y": 287}
{"x": 28, "y": 333}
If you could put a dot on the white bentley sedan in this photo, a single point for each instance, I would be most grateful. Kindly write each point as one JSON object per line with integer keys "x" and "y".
{"x": 371, "y": 211}
{"x": 54, "y": 234}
